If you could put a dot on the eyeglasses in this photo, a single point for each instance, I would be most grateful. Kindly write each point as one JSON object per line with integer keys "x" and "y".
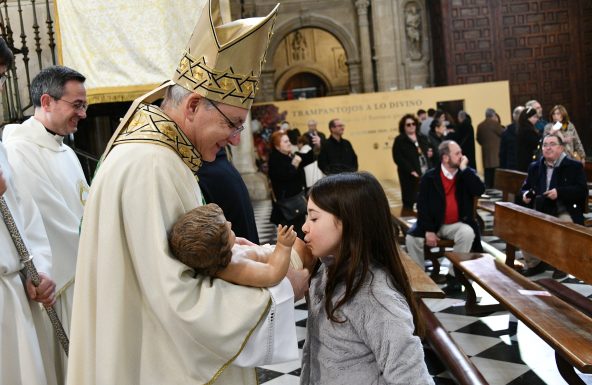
{"x": 77, "y": 105}
{"x": 545, "y": 145}
{"x": 237, "y": 129}
{"x": 410, "y": 124}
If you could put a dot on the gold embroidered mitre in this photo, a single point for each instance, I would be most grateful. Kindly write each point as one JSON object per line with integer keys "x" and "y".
{"x": 223, "y": 60}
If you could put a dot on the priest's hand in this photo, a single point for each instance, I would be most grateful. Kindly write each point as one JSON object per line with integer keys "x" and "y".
{"x": 44, "y": 293}
{"x": 2, "y": 183}
{"x": 299, "y": 281}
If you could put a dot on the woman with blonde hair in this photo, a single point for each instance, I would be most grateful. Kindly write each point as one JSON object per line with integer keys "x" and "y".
{"x": 569, "y": 135}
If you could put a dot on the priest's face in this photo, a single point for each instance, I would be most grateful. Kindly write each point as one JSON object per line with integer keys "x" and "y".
{"x": 216, "y": 126}
{"x": 64, "y": 113}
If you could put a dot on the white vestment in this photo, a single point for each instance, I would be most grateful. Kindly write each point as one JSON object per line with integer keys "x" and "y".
{"x": 20, "y": 351}
{"x": 142, "y": 317}
{"x": 50, "y": 171}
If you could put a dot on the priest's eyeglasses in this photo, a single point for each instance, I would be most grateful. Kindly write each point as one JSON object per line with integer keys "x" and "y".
{"x": 77, "y": 105}
{"x": 237, "y": 129}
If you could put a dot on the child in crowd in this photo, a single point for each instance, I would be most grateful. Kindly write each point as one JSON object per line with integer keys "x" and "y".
{"x": 203, "y": 239}
{"x": 363, "y": 321}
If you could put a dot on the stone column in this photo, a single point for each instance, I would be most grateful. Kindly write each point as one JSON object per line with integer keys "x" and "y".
{"x": 365, "y": 50}
{"x": 243, "y": 158}
{"x": 267, "y": 91}
{"x": 353, "y": 66}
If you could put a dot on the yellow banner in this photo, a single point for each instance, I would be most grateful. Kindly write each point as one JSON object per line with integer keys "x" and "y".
{"x": 124, "y": 47}
{"x": 372, "y": 120}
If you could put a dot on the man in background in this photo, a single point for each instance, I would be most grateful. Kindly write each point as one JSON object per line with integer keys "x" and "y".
{"x": 489, "y": 134}
{"x": 337, "y": 154}
{"x": 542, "y": 122}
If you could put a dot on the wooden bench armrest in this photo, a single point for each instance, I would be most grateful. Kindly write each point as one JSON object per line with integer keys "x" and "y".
{"x": 570, "y": 296}
{"x": 460, "y": 366}
{"x": 421, "y": 284}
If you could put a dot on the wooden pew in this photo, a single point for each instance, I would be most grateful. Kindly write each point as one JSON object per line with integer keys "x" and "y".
{"x": 421, "y": 284}
{"x": 565, "y": 246}
{"x": 452, "y": 356}
{"x": 508, "y": 182}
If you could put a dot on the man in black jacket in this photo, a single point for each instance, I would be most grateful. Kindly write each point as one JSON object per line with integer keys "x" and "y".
{"x": 445, "y": 205}
{"x": 337, "y": 154}
{"x": 555, "y": 185}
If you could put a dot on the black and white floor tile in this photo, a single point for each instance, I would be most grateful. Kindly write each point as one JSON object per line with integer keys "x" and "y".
{"x": 504, "y": 350}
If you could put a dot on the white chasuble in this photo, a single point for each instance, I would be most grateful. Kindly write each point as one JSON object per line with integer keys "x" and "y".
{"x": 142, "y": 317}
{"x": 50, "y": 171}
{"x": 21, "y": 360}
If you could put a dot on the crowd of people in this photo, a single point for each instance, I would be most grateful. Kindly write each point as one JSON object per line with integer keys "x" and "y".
{"x": 437, "y": 175}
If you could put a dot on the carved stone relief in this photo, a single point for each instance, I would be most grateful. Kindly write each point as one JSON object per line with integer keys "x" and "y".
{"x": 413, "y": 30}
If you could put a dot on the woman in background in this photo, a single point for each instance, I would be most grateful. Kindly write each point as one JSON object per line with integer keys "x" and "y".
{"x": 286, "y": 173}
{"x": 410, "y": 154}
{"x": 528, "y": 144}
{"x": 569, "y": 134}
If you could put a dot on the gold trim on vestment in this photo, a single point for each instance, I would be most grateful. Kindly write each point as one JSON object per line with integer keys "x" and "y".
{"x": 149, "y": 124}
{"x": 227, "y": 364}
{"x": 195, "y": 75}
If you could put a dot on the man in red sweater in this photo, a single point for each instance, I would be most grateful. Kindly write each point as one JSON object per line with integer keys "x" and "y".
{"x": 445, "y": 205}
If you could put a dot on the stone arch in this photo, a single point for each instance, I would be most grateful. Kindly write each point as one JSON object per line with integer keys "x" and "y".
{"x": 283, "y": 29}
{"x": 310, "y": 21}
{"x": 283, "y": 77}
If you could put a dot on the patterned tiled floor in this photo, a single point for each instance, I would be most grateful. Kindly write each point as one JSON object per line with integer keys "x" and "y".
{"x": 504, "y": 350}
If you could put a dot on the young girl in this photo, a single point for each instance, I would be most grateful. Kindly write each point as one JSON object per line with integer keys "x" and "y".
{"x": 363, "y": 321}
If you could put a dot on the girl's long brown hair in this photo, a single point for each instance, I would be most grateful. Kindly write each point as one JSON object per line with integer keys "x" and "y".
{"x": 358, "y": 201}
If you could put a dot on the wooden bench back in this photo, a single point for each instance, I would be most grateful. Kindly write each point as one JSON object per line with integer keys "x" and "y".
{"x": 509, "y": 182}
{"x": 565, "y": 246}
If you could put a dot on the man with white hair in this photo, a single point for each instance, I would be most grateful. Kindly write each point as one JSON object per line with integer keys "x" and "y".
{"x": 542, "y": 122}
{"x": 140, "y": 315}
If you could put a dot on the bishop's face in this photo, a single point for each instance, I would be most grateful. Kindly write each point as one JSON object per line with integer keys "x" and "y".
{"x": 212, "y": 129}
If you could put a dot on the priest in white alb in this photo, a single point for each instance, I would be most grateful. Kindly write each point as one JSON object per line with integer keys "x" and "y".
{"x": 22, "y": 339}
{"x": 140, "y": 316}
{"x": 50, "y": 172}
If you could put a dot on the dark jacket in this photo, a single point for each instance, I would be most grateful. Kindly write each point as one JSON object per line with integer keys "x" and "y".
{"x": 406, "y": 157}
{"x": 570, "y": 181}
{"x": 434, "y": 141}
{"x": 286, "y": 180}
{"x": 464, "y": 135}
{"x": 337, "y": 156}
{"x": 528, "y": 146}
{"x": 221, "y": 183}
{"x": 431, "y": 202}
{"x": 508, "y": 148}
{"x": 405, "y": 154}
